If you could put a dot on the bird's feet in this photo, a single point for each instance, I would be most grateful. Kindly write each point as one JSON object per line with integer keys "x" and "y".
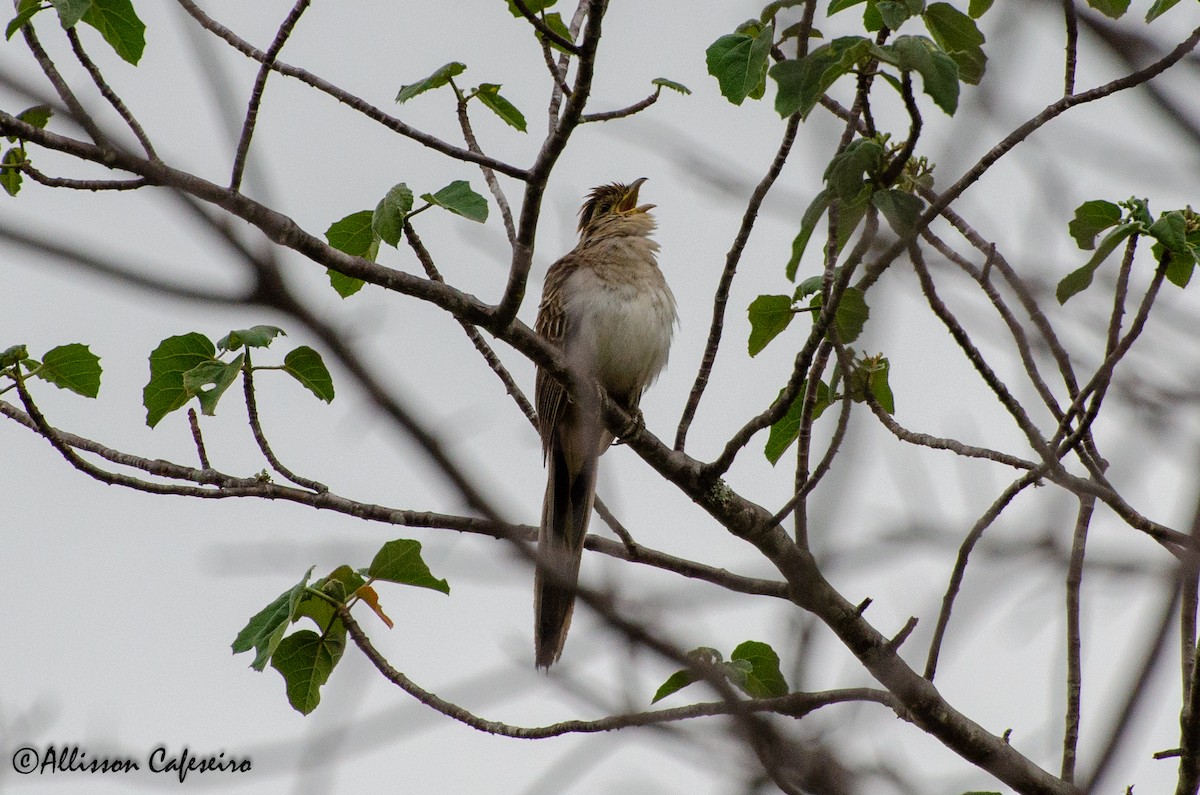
{"x": 637, "y": 424}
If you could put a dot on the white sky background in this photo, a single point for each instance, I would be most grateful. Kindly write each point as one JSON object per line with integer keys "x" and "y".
{"x": 119, "y": 607}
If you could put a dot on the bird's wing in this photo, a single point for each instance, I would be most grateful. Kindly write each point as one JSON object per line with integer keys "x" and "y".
{"x": 552, "y": 326}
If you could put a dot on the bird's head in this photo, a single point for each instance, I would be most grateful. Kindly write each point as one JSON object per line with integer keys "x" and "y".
{"x": 608, "y": 201}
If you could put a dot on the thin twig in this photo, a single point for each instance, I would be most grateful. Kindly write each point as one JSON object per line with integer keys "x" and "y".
{"x": 256, "y": 93}
{"x": 1074, "y": 645}
{"x": 960, "y": 565}
{"x": 74, "y": 107}
{"x": 721, "y": 296}
{"x": 481, "y": 345}
{"x": 80, "y": 184}
{"x": 546, "y": 31}
{"x": 260, "y": 438}
{"x": 489, "y": 175}
{"x": 199, "y": 439}
{"x": 346, "y": 98}
{"x": 106, "y": 91}
{"x": 1072, "y": 24}
{"x": 636, "y": 107}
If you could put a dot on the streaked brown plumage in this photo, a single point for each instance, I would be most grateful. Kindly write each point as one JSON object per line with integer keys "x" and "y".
{"x": 607, "y": 306}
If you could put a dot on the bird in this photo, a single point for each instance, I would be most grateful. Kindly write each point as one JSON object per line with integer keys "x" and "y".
{"x": 607, "y": 307}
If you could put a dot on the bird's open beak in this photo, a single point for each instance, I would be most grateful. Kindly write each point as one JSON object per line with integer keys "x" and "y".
{"x": 629, "y": 203}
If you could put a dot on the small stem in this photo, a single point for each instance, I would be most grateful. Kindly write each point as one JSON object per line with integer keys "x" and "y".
{"x": 1074, "y": 645}
{"x": 194, "y": 421}
{"x": 261, "y": 439}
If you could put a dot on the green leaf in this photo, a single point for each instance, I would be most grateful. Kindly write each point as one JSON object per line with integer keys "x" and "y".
{"x": 266, "y": 628}
{"x": 10, "y": 172}
{"x": 174, "y": 356}
{"x": 346, "y": 580}
{"x": 1171, "y": 230}
{"x": 739, "y": 62}
{"x": 939, "y": 71}
{"x": 774, "y": 7}
{"x": 808, "y": 223}
{"x": 12, "y": 355}
{"x": 25, "y": 11}
{"x": 253, "y": 337}
{"x": 876, "y": 371}
{"x": 787, "y": 428}
{"x": 458, "y": 198}
{"x": 803, "y": 82}
{"x": 305, "y": 660}
{"x": 675, "y": 682}
{"x": 1158, "y": 8}
{"x": 387, "y": 222}
{"x": 436, "y": 80}
{"x": 1092, "y": 218}
{"x": 957, "y": 34}
{"x": 1079, "y": 279}
{"x": 37, "y": 116}
{"x": 306, "y": 366}
{"x": 681, "y": 679}
{"x": 900, "y": 209}
{"x": 343, "y": 285}
{"x": 851, "y": 315}
{"x": 671, "y": 84}
{"x": 1110, "y": 8}
{"x": 70, "y": 11}
{"x": 840, "y": 5}
{"x": 118, "y": 23}
{"x": 952, "y": 29}
{"x": 535, "y": 6}
{"x": 72, "y": 367}
{"x": 1179, "y": 267}
{"x": 850, "y": 171}
{"x": 895, "y": 13}
{"x": 400, "y": 561}
{"x": 554, "y": 21}
{"x": 765, "y": 679}
{"x": 489, "y": 95}
{"x": 216, "y": 372}
{"x": 769, "y": 316}
{"x": 354, "y": 235}
{"x": 977, "y": 8}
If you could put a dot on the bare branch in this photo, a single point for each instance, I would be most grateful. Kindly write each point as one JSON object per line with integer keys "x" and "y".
{"x": 636, "y": 107}
{"x": 346, "y": 98}
{"x": 117, "y": 103}
{"x": 721, "y": 296}
{"x": 256, "y": 93}
{"x": 260, "y": 438}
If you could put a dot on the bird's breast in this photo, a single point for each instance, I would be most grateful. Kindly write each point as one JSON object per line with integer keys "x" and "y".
{"x": 623, "y": 320}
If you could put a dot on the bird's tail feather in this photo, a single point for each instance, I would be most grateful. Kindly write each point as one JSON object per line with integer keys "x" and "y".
{"x": 565, "y": 515}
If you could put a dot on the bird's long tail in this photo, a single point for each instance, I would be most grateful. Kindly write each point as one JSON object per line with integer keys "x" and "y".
{"x": 565, "y": 514}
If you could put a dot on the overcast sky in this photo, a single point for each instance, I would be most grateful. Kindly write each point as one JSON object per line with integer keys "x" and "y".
{"x": 120, "y": 607}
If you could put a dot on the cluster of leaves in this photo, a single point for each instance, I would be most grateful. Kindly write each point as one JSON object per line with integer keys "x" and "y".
{"x": 16, "y": 157}
{"x": 73, "y": 367}
{"x": 553, "y": 20}
{"x": 753, "y": 668}
{"x": 116, "y": 21}
{"x": 487, "y": 93}
{"x": 190, "y": 366}
{"x": 359, "y": 234}
{"x": 950, "y": 55}
{"x": 306, "y": 658}
{"x": 1176, "y": 236}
